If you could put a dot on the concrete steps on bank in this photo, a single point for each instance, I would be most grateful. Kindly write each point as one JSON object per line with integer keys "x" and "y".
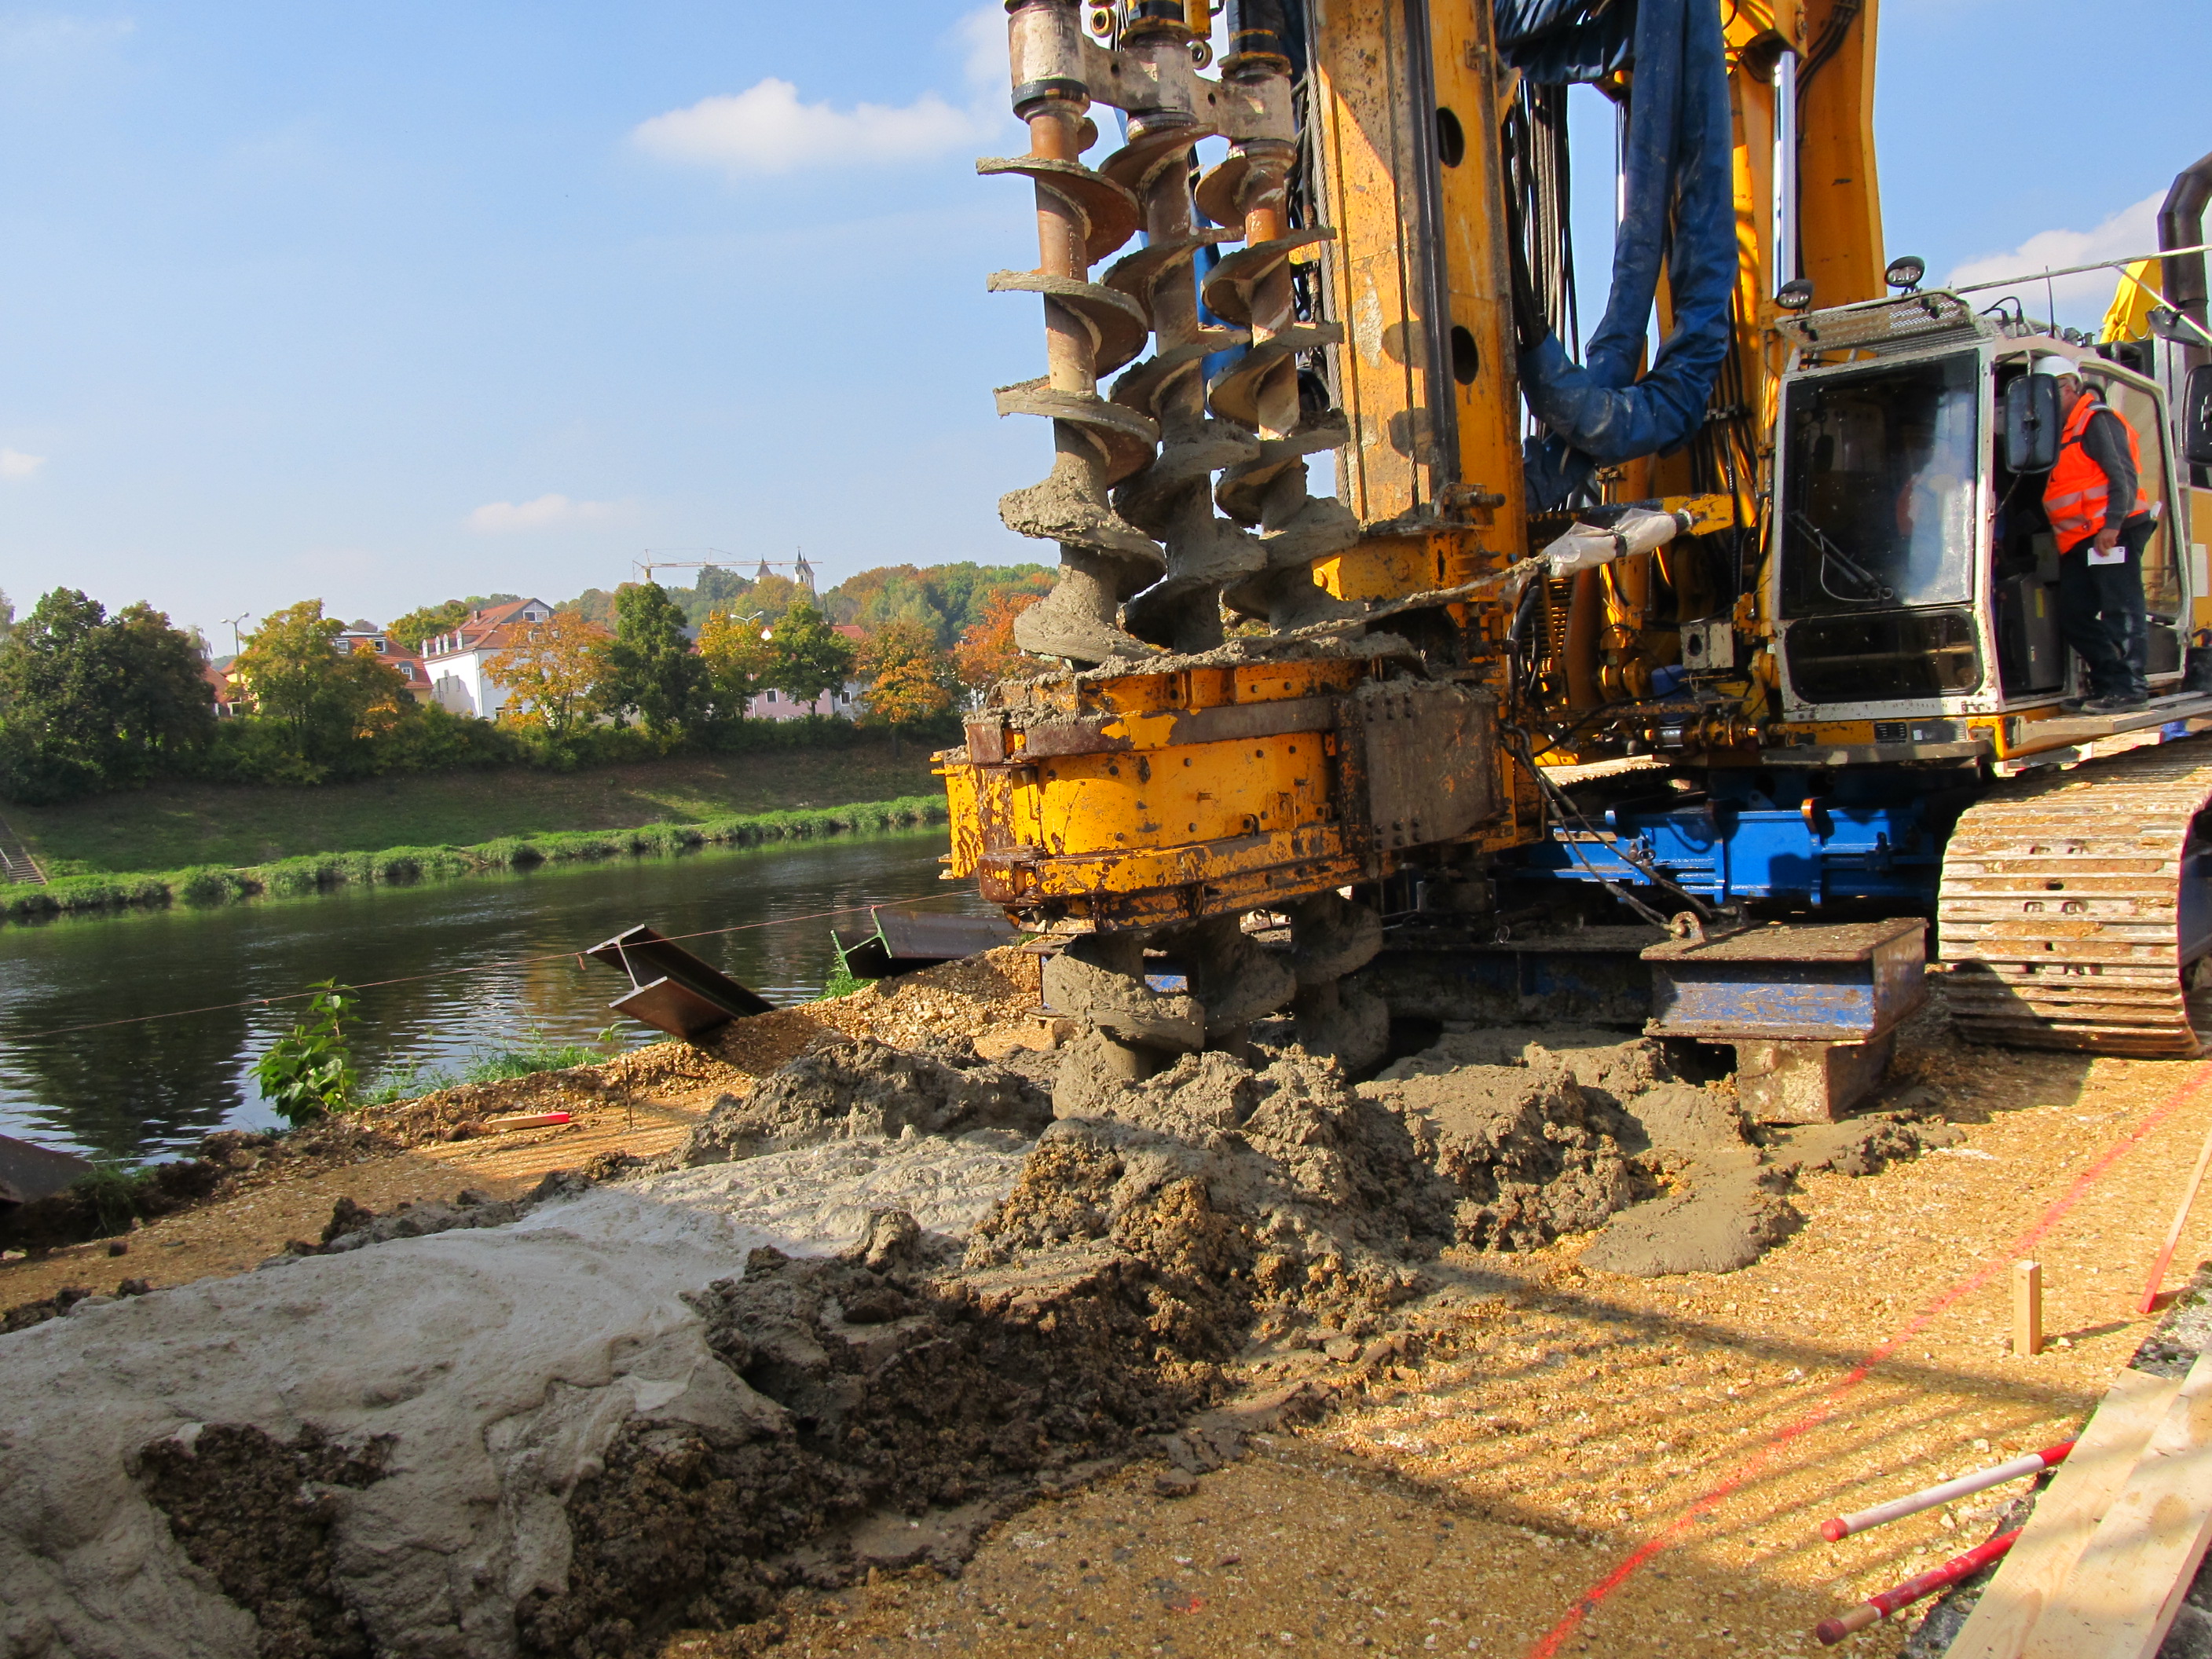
{"x": 16, "y": 864}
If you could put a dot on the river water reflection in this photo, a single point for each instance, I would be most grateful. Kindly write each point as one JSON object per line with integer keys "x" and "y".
{"x": 140, "y": 1090}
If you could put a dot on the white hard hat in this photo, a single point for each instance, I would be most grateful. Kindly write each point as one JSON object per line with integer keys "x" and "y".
{"x": 2057, "y": 367}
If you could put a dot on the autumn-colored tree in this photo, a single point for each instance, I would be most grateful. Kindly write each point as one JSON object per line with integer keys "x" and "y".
{"x": 323, "y": 700}
{"x": 985, "y": 654}
{"x": 740, "y": 656}
{"x": 907, "y": 677}
{"x": 776, "y": 594}
{"x": 551, "y": 672}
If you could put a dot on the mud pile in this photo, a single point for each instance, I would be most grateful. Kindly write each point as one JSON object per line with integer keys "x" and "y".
{"x": 1558, "y": 1131}
{"x": 1529, "y": 1151}
{"x": 1600, "y": 1124}
{"x": 914, "y": 1408}
{"x": 224, "y": 1163}
{"x": 954, "y": 1001}
{"x": 1249, "y": 1199}
{"x": 857, "y": 1087}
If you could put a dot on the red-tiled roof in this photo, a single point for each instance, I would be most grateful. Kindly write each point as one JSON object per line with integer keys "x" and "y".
{"x": 488, "y": 629}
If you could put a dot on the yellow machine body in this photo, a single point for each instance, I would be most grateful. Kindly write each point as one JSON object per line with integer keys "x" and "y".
{"x": 1105, "y": 800}
{"x": 1139, "y": 796}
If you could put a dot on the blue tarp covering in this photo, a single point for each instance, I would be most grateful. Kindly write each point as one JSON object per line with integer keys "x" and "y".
{"x": 1680, "y": 208}
{"x": 1555, "y": 41}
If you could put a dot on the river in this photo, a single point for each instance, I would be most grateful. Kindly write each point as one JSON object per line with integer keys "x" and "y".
{"x": 136, "y": 1087}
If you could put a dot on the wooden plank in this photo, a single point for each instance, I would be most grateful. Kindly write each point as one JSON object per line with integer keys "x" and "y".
{"x": 2065, "y": 1516}
{"x": 2123, "y": 1594}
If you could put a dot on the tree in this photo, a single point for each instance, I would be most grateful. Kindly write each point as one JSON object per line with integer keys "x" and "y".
{"x": 739, "y": 655}
{"x": 906, "y": 676}
{"x": 651, "y": 667}
{"x": 593, "y": 604}
{"x": 713, "y": 589}
{"x": 326, "y": 702}
{"x": 88, "y": 702}
{"x": 7, "y": 616}
{"x": 948, "y": 598}
{"x": 987, "y": 654}
{"x": 773, "y": 596}
{"x": 553, "y": 670}
{"x": 431, "y": 620}
{"x": 166, "y": 707}
{"x": 807, "y": 657}
{"x": 428, "y": 622}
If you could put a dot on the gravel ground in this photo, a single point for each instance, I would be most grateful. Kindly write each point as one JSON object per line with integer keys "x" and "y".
{"x": 1555, "y": 1428}
{"x": 1576, "y": 1418}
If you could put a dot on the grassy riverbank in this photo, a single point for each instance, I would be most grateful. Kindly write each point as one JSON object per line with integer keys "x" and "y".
{"x": 181, "y": 826}
{"x": 318, "y": 872}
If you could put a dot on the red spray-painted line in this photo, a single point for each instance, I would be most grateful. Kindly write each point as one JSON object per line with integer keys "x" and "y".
{"x": 1590, "y": 1599}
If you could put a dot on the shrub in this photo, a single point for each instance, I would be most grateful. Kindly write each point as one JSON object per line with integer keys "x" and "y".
{"x": 309, "y": 1070}
{"x": 103, "y": 892}
{"x": 208, "y": 884}
{"x": 507, "y": 853}
{"x": 112, "y": 1191}
{"x": 292, "y": 878}
{"x": 313, "y": 873}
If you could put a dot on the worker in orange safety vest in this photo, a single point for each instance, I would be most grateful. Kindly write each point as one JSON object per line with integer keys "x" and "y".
{"x": 2103, "y": 521}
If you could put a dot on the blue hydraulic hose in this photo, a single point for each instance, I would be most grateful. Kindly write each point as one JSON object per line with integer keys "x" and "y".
{"x": 1681, "y": 209}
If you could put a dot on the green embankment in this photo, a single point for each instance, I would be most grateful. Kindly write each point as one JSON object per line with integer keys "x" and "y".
{"x": 320, "y": 872}
{"x": 196, "y": 844}
{"x": 179, "y": 825}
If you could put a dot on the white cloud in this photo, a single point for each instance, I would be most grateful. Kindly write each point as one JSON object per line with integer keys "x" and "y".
{"x": 982, "y": 34}
{"x": 15, "y": 466}
{"x": 29, "y": 37}
{"x": 2133, "y": 229}
{"x": 547, "y": 512}
{"x": 768, "y": 129}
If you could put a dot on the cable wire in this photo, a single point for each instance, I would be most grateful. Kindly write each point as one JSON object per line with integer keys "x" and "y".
{"x": 472, "y": 968}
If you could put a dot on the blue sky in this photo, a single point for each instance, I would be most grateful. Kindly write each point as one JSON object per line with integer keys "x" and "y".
{"x": 386, "y": 304}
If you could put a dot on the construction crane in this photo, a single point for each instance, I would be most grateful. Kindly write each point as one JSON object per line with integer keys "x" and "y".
{"x": 1704, "y": 680}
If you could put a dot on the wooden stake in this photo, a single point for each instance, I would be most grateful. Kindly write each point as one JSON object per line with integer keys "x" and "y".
{"x": 2173, "y": 1233}
{"x": 2027, "y": 1308}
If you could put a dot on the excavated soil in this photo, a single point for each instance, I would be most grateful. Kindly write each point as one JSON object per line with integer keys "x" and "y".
{"x": 650, "y": 1397}
{"x": 856, "y": 1087}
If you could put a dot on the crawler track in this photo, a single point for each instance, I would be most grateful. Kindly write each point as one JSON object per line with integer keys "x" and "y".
{"x": 2075, "y": 908}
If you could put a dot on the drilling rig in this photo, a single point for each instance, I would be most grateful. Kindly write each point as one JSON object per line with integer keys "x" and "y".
{"x": 1689, "y": 682}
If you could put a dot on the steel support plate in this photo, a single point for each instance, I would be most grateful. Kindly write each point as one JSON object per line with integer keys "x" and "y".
{"x": 1843, "y": 982}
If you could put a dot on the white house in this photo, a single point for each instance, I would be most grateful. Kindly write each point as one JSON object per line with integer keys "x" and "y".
{"x": 455, "y": 661}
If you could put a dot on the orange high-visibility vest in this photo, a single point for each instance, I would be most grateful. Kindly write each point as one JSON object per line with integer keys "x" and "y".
{"x": 2074, "y": 495}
